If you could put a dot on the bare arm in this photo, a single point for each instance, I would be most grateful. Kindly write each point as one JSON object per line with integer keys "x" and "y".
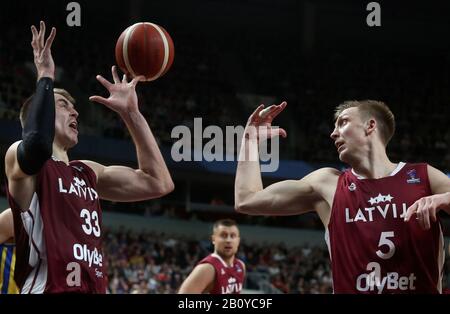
{"x": 6, "y": 225}
{"x": 152, "y": 178}
{"x": 200, "y": 280}
{"x": 288, "y": 197}
{"x": 426, "y": 208}
{"x": 439, "y": 182}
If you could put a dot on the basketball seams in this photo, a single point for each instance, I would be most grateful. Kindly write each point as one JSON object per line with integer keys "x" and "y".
{"x": 128, "y": 34}
{"x": 166, "y": 51}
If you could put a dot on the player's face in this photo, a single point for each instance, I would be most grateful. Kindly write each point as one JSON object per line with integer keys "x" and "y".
{"x": 349, "y": 135}
{"x": 226, "y": 240}
{"x": 66, "y": 124}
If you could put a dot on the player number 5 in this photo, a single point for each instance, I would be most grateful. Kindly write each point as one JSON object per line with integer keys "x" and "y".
{"x": 385, "y": 241}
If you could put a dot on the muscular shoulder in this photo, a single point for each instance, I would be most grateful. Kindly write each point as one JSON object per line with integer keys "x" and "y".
{"x": 95, "y": 166}
{"x": 11, "y": 159}
{"x": 323, "y": 175}
{"x": 199, "y": 280}
{"x": 323, "y": 182}
{"x": 205, "y": 273}
{"x": 205, "y": 267}
{"x": 328, "y": 171}
{"x": 13, "y": 147}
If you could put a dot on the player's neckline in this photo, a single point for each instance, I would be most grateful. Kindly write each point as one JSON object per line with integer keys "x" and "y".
{"x": 399, "y": 167}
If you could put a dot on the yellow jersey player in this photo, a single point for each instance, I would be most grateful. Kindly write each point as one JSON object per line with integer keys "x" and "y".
{"x": 7, "y": 254}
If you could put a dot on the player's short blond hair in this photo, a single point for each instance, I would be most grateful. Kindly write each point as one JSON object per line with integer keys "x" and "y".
{"x": 26, "y": 105}
{"x": 372, "y": 109}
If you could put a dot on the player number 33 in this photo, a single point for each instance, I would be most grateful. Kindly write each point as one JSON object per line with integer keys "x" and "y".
{"x": 90, "y": 225}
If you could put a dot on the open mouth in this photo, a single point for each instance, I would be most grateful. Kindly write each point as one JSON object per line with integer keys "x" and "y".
{"x": 74, "y": 126}
{"x": 339, "y": 145}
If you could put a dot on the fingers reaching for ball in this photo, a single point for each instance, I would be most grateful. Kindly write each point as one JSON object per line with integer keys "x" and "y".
{"x": 114, "y": 74}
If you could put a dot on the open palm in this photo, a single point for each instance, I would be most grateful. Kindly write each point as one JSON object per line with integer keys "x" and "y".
{"x": 122, "y": 94}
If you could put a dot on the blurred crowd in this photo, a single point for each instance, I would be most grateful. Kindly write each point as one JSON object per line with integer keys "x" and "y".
{"x": 148, "y": 262}
{"x": 222, "y": 84}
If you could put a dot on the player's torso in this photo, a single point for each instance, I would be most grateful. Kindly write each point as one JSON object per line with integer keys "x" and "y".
{"x": 372, "y": 249}
{"x": 229, "y": 279}
{"x": 72, "y": 220}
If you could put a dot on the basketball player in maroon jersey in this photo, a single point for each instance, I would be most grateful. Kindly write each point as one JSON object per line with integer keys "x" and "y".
{"x": 374, "y": 245}
{"x": 220, "y": 272}
{"x": 55, "y": 203}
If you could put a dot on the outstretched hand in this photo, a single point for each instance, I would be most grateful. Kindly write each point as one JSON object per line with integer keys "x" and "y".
{"x": 259, "y": 123}
{"x": 42, "y": 51}
{"x": 122, "y": 94}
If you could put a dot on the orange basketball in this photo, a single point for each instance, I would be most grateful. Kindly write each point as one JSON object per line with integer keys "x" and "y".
{"x": 145, "y": 49}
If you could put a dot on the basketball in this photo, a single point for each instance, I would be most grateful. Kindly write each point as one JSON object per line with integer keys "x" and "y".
{"x": 145, "y": 49}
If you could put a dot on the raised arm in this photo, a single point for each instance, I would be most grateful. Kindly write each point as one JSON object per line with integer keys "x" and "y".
{"x": 25, "y": 158}
{"x": 425, "y": 208}
{"x": 152, "y": 178}
{"x": 288, "y": 197}
{"x": 200, "y": 280}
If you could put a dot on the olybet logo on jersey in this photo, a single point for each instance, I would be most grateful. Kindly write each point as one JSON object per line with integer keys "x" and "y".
{"x": 392, "y": 280}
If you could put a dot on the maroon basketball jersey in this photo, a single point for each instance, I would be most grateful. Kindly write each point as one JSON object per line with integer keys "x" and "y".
{"x": 58, "y": 238}
{"x": 229, "y": 279}
{"x": 372, "y": 249}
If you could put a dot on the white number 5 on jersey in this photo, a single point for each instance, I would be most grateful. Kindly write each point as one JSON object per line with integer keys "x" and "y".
{"x": 385, "y": 241}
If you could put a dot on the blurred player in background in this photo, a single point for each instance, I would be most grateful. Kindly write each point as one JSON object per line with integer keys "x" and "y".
{"x": 220, "y": 272}
{"x": 55, "y": 203}
{"x": 7, "y": 253}
{"x": 374, "y": 245}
